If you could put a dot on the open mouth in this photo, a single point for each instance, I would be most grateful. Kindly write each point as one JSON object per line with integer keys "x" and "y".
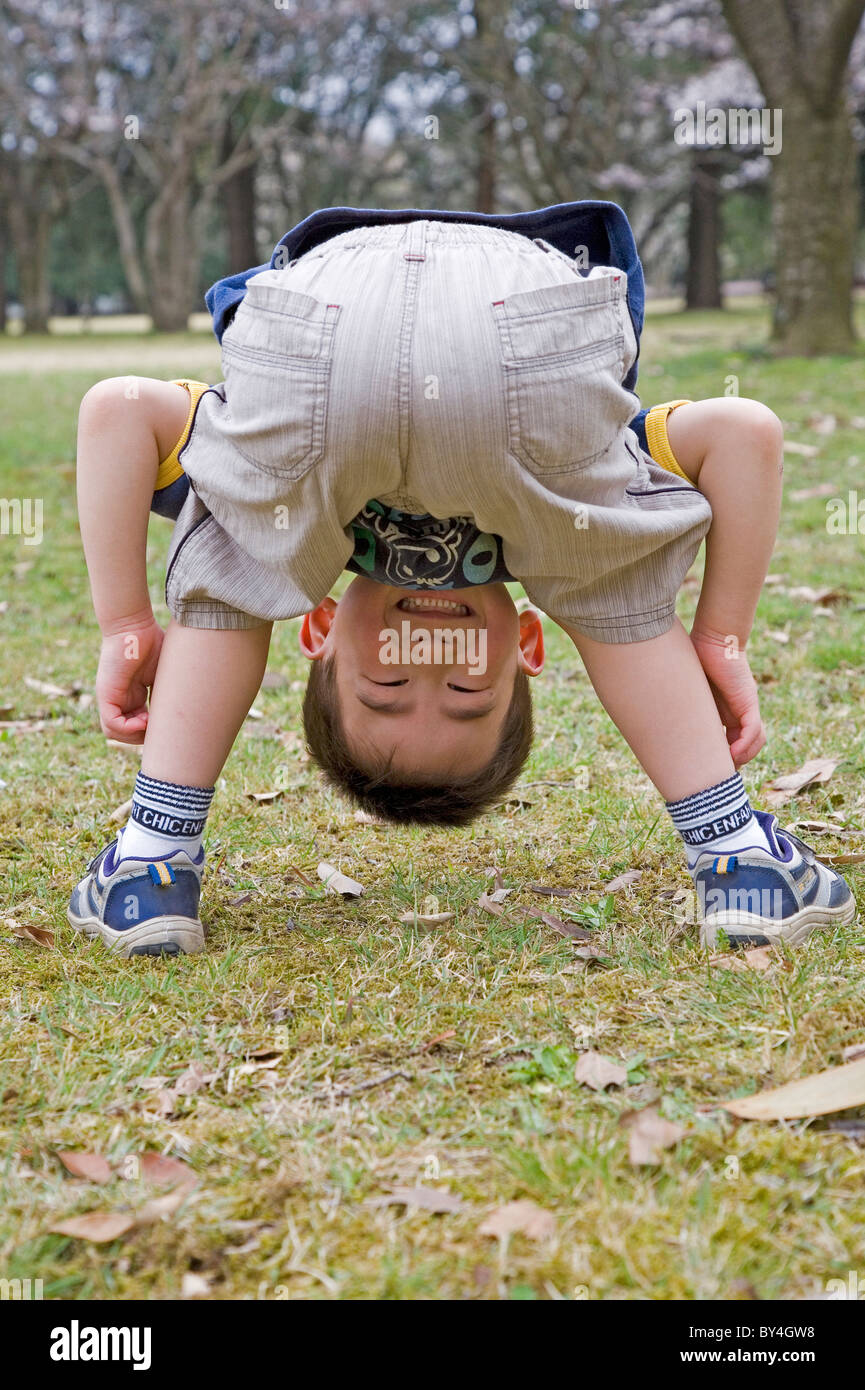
{"x": 436, "y": 607}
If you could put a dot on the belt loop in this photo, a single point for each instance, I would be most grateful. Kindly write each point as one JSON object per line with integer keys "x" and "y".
{"x": 416, "y": 240}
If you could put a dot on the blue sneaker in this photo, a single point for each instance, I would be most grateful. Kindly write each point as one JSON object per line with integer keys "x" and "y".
{"x": 757, "y": 899}
{"x": 139, "y": 907}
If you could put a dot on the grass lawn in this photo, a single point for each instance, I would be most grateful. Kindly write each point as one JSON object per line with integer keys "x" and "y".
{"x": 321, "y": 1053}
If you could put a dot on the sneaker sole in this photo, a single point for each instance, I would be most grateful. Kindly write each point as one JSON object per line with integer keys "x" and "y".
{"x": 749, "y": 929}
{"x": 162, "y": 936}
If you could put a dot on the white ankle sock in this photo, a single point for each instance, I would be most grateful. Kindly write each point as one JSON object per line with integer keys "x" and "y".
{"x": 718, "y": 820}
{"x": 165, "y": 817}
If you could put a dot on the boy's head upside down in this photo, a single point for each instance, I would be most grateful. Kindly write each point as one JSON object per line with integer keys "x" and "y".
{"x": 418, "y": 702}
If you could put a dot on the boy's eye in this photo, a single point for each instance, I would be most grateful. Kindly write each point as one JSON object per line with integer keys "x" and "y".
{"x": 402, "y": 682}
{"x": 466, "y": 689}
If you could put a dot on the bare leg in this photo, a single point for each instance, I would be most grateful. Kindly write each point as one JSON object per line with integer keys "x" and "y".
{"x": 205, "y": 683}
{"x": 657, "y": 695}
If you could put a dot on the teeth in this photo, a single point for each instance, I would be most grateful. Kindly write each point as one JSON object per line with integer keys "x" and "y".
{"x": 433, "y": 605}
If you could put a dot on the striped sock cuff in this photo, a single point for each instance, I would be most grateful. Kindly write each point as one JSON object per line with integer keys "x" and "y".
{"x": 167, "y": 808}
{"x": 713, "y": 813}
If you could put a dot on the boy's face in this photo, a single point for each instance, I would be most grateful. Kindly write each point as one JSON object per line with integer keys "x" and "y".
{"x": 424, "y": 679}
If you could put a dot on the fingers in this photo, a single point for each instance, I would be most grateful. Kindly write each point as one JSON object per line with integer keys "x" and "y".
{"x": 746, "y": 741}
{"x": 125, "y": 728}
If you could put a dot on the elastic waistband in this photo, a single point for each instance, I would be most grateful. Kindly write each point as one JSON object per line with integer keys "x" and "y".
{"x": 413, "y": 237}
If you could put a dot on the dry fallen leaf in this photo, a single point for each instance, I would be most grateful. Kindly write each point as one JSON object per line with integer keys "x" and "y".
{"x": 427, "y": 919}
{"x": 423, "y": 1198}
{"x": 135, "y": 750}
{"x": 804, "y": 494}
{"x": 48, "y": 688}
{"x": 851, "y": 858}
{"x": 594, "y": 1070}
{"x": 96, "y": 1226}
{"x": 488, "y": 904}
{"x": 263, "y": 797}
{"x": 757, "y": 958}
{"x": 806, "y": 594}
{"x": 304, "y": 878}
{"x": 519, "y": 1218}
{"x": 159, "y": 1168}
{"x": 193, "y": 1079}
{"x": 623, "y": 880}
{"x": 336, "y": 882}
{"x": 853, "y": 1052}
{"x": 807, "y": 451}
{"x": 249, "y": 1068}
{"x": 812, "y": 772}
{"x": 437, "y": 1040}
{"x": 546, "y": 891}
{"x": 159, "y": 1207}
{"x": 121, "y": 813}
{"x": 838, "y": 1088}
{"x": 499, "y": 895}
{"x": 41, "y": 935}
{"x": 590, "y": 952}
{"x": 165, "y": 1103}
{"x": 91, "y": 1166}
{"x": 649, "y": 1134}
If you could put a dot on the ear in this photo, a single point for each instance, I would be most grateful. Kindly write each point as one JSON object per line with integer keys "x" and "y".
{"x": 315, "y": 629}
{"x": 531, "y": 654}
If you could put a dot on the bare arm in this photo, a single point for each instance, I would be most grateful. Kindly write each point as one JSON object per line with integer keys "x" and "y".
{"x": 731, "y": 450}
{"x": 126, "y": 425}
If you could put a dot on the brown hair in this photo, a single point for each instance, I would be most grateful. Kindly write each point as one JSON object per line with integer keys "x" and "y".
{"x": 397, "y": 796}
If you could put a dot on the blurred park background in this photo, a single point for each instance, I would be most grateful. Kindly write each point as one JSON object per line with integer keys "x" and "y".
{"x": 148, "y": 149}
{"x": 325, "y": 1057}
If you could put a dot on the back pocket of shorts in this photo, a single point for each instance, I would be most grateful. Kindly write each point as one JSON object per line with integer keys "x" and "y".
{"x": 563, "y": 361}
{"x": 276, "y": 356}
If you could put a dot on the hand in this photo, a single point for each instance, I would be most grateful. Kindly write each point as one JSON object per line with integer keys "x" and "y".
{"x": 127, "y": 668}
{"x": 735, "y": 691}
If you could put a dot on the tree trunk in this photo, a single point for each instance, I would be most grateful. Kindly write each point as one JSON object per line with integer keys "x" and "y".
{"x": 799, "y": 53}
{"x": 127, "y": 241}
{"x": 30, "y": 235}
{"x": 814, "y": 221}
{"x": 169, "y": 257}
{"x": 482, "y": 105}
{"x": 703, "y": 287}
{"x": 238, "y": 199}
{"x": 237, "y": 196}
{"x": 485, "y": 194}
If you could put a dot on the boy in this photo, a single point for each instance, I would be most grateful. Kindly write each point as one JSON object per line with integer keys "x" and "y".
{"x": 440, "y": 400}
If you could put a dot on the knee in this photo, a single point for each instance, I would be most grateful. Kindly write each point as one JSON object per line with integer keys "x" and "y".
{"x": 107, "y": 400}
{"x": 756, "y": 426}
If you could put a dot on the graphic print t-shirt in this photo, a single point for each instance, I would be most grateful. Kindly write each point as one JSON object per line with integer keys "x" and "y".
{"x": 413, "y": 551}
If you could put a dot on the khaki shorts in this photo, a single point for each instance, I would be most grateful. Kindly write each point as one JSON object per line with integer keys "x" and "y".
{"x": 445, "y": 368}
